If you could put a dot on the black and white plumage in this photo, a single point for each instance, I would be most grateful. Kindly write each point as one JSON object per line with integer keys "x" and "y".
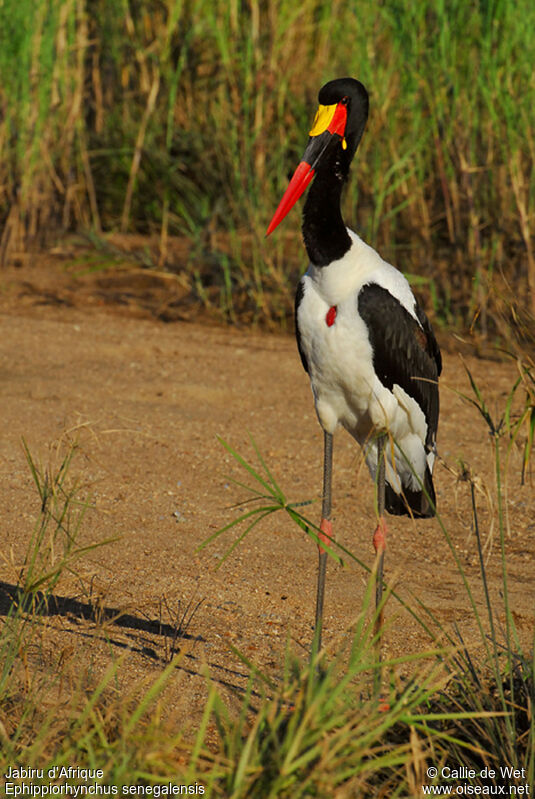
{"x": 374, "y": 368}
{"x": 368, "y": 348}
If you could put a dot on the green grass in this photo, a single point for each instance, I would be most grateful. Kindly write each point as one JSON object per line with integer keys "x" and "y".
{"x": 184, "y": 119}
{"x": 297, "y": 731}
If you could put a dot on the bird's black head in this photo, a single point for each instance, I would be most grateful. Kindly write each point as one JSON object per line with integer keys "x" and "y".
{"x": 335, "y": 135}
{"x": 350, "y": 93}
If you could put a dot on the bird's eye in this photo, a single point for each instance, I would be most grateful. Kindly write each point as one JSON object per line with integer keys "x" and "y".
{"x": 344, "y": 100}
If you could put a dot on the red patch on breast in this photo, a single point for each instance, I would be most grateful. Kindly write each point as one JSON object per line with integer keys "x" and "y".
{"x": 331, "y": 316}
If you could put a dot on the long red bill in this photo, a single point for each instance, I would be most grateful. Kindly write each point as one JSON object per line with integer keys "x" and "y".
{"x": 300, "y": 180}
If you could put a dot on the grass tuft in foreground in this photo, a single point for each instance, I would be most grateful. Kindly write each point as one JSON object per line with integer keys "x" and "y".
{"x": 292, "y": 732}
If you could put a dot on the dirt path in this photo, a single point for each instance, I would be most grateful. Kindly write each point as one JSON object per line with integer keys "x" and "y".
{"x": 146, "y": 401}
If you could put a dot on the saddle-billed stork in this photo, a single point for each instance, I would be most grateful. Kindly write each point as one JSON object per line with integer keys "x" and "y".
{"x": 368, "y": 348}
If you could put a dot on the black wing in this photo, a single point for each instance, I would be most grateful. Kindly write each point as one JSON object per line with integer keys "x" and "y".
{"x": 432, "y": 345}
{"x": 298, "y": 297}
{"x": 404, "y": 352}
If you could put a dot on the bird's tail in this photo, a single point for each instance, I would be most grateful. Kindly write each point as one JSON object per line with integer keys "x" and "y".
{"x": 420, "y": 503}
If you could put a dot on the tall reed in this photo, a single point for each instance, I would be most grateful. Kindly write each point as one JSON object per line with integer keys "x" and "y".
{"x": 186, "y": 118}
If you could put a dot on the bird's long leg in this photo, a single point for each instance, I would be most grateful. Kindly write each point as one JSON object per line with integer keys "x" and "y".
{"x": 325, "y": 534}
{"x": 379, "y": 537}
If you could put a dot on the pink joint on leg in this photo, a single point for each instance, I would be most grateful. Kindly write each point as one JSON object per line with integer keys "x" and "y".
{"x": 379, "y": 537}
{"x": 325, "y": 534}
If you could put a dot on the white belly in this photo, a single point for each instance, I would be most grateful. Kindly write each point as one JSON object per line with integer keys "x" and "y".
{"x": 339, "y": 361}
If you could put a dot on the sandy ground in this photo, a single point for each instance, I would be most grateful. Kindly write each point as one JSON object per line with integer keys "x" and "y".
{"x": 88, "y": 360}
